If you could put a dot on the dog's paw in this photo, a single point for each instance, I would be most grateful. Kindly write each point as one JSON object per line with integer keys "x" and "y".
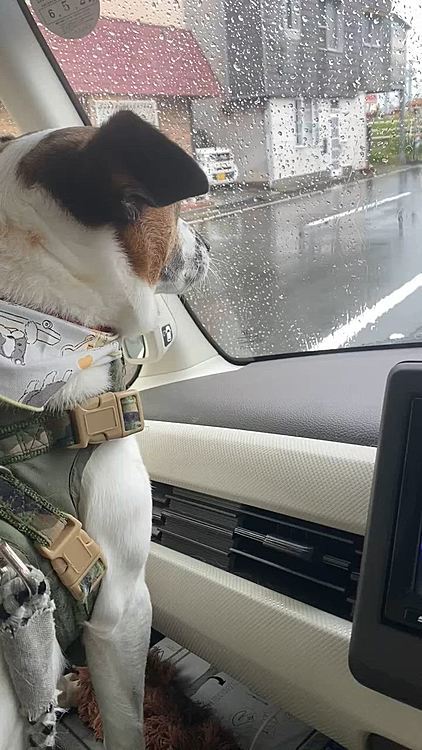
{"x": 17, "y": 602}
{"x": 69, "y": 687}
{"x": 42, "y": 732}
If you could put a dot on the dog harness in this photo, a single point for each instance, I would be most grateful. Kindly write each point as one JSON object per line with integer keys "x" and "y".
{"x": 42, "y": 459}
{"x": 43, "y": 455}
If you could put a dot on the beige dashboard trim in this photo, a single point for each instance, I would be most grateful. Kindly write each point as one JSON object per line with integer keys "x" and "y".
{"x": 320, "y": 481}
{"x": 292, "y": 653}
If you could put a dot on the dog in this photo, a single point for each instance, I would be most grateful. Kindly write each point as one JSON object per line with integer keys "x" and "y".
{"x": 89, "y": 231}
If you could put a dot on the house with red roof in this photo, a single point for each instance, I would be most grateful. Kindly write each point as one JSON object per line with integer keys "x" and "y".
{"x": 154, "y": 70}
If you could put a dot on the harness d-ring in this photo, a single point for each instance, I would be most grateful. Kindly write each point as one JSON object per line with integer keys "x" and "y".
{"x": 12, "y": 559}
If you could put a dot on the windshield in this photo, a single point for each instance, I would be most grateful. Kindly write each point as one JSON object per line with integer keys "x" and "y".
{"x": 315, "y": 225}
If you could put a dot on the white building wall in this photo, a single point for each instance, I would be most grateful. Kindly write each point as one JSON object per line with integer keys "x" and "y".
{"x": 288, "y": 160}
{"x": 161, "y": 12}
{"x": 353, "y": 132}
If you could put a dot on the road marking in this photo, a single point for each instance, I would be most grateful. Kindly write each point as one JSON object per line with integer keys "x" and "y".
{"x": 288, "y": 198}
{"x": 235, "y": 211}
{"x": 357, "y": 209}
{"x": 349, "y": 330}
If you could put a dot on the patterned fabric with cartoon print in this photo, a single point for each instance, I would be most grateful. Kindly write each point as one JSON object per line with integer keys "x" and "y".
{"x": 39, "y": 353}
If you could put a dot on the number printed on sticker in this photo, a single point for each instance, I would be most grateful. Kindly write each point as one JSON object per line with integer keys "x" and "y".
{"x": 70, "y": 19}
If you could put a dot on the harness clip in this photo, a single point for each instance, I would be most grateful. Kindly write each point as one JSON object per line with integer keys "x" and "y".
{"x": 107, "y": 417}
{"x": 76, "y": 559}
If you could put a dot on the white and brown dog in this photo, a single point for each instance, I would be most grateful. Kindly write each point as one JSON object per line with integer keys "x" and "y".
{"x": 89, "y": 229}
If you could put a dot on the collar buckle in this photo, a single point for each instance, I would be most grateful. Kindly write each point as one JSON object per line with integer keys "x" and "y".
{"x": 76, "y": 559}
{"x": 107, "y": 417}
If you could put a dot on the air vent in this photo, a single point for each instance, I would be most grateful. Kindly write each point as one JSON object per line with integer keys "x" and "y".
{"x": 312, "y": 563}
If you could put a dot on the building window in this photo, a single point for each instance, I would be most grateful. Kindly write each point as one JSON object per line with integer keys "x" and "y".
{"x": 307, "y": 122}
{"x": 293, "y": 14}
{"x": 332, "y": 23}
{"x": 372, "y": 30}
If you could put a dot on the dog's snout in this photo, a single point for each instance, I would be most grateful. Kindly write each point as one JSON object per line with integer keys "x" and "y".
{"x": 188, "y": 264}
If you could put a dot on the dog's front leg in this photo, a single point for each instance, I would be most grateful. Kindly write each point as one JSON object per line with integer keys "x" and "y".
{"x": 116, "y": 657}
{"x": 116, "y": 512}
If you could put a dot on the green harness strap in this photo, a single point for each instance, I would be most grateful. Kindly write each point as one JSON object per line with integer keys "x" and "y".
{"x": 27, "y": 511}
{"x": 28, "y": 490}
{"x": 42, "y": 431}
{"x": 36, "y": 435}
{"x": 39, "y": 521}
{"x": 40, "y": 479}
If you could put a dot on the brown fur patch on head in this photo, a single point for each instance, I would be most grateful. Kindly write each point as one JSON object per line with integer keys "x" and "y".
{"x": 149, "y": 242}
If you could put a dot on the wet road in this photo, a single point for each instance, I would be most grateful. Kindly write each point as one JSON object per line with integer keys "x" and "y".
{"x": 330, "y": 269}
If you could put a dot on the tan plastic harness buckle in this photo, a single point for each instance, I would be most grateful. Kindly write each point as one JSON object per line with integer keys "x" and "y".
{"x": 76, "y": 559}
{"x": 107, "y": 417}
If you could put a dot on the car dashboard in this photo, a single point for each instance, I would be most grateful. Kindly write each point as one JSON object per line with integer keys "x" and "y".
{"x": 261, "y": 498}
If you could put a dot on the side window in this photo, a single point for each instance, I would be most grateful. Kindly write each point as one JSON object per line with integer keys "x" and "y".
{"x": 319, "y": 99}
{"x": 333, "y": 24}
{"x": 372, "y": 29}
{"x": 7, "y": 123}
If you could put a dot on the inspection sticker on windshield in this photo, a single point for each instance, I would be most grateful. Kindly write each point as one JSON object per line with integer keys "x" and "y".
{"x": 70, "y": 19}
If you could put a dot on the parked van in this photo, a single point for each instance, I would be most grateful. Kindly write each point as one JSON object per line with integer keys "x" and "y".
{"x": 218, "y": 164}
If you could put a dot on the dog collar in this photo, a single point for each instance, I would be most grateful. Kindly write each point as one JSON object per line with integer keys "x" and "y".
{"x": 39, "y": 353}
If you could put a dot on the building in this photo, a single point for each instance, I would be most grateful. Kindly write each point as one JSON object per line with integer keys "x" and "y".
{"x": 294, "y": 75}
{"x": 157, "y": 13}
{"x": 140, "y": 56}
{"x": 155, "y": 70}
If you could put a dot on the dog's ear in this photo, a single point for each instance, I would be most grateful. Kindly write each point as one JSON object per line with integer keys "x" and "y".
{"x": 105, "y": 175}
{"x": 144, "y": 165}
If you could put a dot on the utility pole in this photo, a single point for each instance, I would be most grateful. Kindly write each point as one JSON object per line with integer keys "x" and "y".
{"x": 403, "y": 97}
{"x": 402, "y": 126}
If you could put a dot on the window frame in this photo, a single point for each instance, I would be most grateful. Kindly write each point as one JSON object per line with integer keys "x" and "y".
{"x": 338, "y": 17}
{"x": 368, "y": 37}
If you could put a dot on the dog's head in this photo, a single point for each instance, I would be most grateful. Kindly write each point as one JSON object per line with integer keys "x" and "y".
{"x": 88, "y": 204}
